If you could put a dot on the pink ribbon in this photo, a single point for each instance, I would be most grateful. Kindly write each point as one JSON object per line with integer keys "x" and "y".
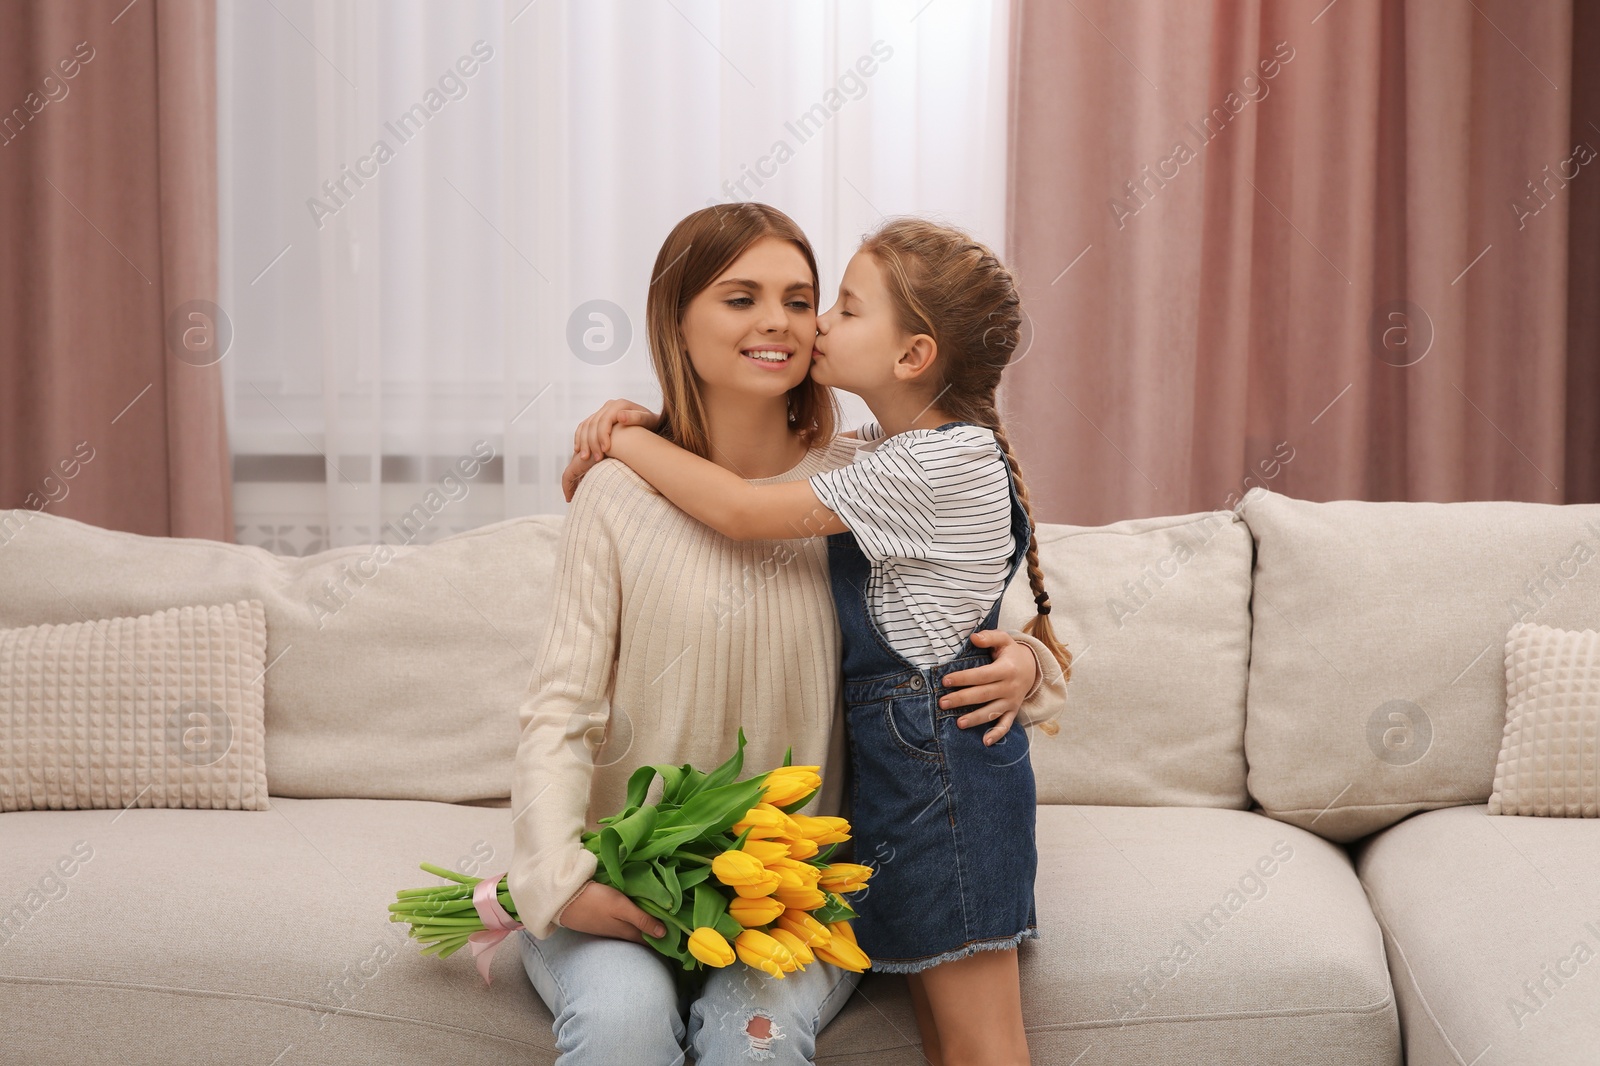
{"x": 497, "y": 923}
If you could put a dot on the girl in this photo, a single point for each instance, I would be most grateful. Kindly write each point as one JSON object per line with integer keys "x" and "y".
{"x": 925, "y": 529}
{"x": 666, "y": 637}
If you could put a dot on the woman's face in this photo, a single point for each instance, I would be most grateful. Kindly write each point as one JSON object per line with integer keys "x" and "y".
{"x": 750, "y": 331}
{"x": 859, "y": 339}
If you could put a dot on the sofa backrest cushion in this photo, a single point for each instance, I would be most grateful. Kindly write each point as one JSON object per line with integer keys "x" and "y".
{"x": 393, "y": 671}
{"x": 1156, "y": 612}
{"x": 1377, "y": 665}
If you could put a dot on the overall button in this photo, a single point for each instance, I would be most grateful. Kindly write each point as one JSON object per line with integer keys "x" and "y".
{"x": 916, "y": 681}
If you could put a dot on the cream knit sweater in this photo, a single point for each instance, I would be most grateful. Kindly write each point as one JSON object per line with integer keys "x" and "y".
{"x": 664, "y": 639}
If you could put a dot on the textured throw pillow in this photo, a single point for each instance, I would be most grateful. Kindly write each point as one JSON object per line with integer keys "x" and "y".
{"x": 162, "y": 710}
{"x": 1550, "y": 755}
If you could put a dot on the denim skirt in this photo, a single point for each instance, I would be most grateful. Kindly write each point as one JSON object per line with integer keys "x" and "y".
{"x": 946, "y": 823}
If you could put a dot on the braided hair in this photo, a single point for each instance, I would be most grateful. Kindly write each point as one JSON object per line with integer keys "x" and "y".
{"x": 954, "y": 289}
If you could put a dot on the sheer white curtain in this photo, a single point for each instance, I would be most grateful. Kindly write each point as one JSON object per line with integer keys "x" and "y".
{"x": 439, "y": 218}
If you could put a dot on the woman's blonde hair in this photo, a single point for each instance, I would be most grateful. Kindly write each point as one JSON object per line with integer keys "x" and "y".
{"x": 954, "y": 289}
{"x": 699, "y": 248}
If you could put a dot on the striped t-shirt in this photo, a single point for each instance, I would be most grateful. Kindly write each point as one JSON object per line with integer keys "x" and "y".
{"x": 931, "y": 511}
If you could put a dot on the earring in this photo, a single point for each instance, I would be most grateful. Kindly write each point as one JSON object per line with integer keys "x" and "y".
{"x": 789, "y": 402}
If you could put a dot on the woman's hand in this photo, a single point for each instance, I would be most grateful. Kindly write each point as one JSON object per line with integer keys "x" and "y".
{"x": 1000, "y": 687}
{"x": 592, "y": 438}
{"x": 603, "y": 911}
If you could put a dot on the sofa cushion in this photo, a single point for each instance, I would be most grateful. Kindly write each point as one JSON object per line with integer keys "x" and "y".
{"x": 1549, "y": 761}
{"x": 394, "y": 671}
{"x": 1492, "y": 925}
{"x": 163, "y": 710}
{"x": 1156, "y": 613}
{"x": 1377, "y": 678}
{"x": 226, "y": 936}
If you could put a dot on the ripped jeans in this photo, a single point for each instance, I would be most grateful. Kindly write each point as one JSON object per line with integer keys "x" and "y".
{"x": 614, "y": 1002}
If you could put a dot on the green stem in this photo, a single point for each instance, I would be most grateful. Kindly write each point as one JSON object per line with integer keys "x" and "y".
{"x": 455, "y": 891}
{"x": 691, "y": 855}
{"x": 660, "y": 912}
{"x": 440, "y": 871}
{"x": 447, "y": 906}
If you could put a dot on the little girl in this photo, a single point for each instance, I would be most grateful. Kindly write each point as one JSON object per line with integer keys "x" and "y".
{"x": 924, "y": 531}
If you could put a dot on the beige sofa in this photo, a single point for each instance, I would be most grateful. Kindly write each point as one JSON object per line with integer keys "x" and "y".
{"x": 1263, "y": 833}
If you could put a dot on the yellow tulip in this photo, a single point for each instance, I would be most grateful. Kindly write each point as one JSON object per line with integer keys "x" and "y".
{"x": 760, "y": 951}
{"x": 766, "y": 886}
{"x": 755, "y": 912}
{"x": 807, "y": 873}
{"x": 845, "y": 877}
{"x": 764, "y": 822}
{"x": 807, "y": 928}
{"x": 804, "y": 899}
{"x": 796, "y": 946}
{"x": 822, "y": 830}
{"x": 844, "y": 954}
{"x": 766, "y": 850}
{"x": 738, "y": 868}
{"x": 843, "y": 929}
{"x": 710, "y": 947}
{"x": 802, "y": 848}
{"x": 789, "y": 878}
{"x": 788, "y": 784}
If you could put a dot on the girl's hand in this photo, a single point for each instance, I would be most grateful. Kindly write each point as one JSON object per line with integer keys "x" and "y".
{"x": 1000, "y": 687}
{"x": 603, "y": 911}
{"x": 573, "y": 474}
{"x": 592, "y": 438}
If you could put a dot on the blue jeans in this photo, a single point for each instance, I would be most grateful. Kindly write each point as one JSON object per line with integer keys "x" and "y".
{"x": 614, "y": 1002}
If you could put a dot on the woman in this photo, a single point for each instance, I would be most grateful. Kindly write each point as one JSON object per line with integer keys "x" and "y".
{"x": 665, "y": 638}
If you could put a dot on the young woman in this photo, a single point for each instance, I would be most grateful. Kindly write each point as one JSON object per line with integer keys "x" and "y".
{"x": 925, "y": 531}
{"x": 665, "y": 638}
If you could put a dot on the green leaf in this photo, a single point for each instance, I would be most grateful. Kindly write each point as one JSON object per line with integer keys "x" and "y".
{"x": 672, "y": 778}
{"x": 834, "y": 910}
{"x": 716, "y": 809}
{"x": 626, "y": 812}
{"x": 640, "y": 882}
{"x": 693, "y": 781}
{"x": 639, "y": 785}
{"x": 667, "y": 840}
{"x": 635, "y": 828}
{"x": 668, "y": 873}
{"x": 788, "y": 755}
{"x": 823, "y": 857}
{"x": 790, "y": 808}
{"x": 728, "y": 771}
{"x": 610, "y": 857}
{"x": 693, "y": 876}
{"x": 672, "y": 944}
{"x": 619, "y": 841}
{"x": 709, "y": 905}
{"x": 729, "y": 927}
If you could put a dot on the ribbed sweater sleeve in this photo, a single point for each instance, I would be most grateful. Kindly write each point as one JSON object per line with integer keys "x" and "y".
{"x": 1049, "y": 694}
{"x": 568, "y": 696}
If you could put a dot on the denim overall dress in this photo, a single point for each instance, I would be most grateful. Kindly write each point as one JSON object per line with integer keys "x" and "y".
{"x": 946, "y": 822}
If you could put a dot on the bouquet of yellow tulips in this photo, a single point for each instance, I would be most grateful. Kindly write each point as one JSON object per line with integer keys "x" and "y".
{"x": 729, "y": 868}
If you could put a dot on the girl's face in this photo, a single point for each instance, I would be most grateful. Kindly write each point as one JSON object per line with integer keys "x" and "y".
{"x": 859, "y": 341}
{"x": 751, "y": 330}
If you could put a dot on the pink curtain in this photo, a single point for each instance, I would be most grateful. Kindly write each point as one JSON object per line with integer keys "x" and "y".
{"x": 110, "y": 394}
{"x": 1343, "y": 250}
